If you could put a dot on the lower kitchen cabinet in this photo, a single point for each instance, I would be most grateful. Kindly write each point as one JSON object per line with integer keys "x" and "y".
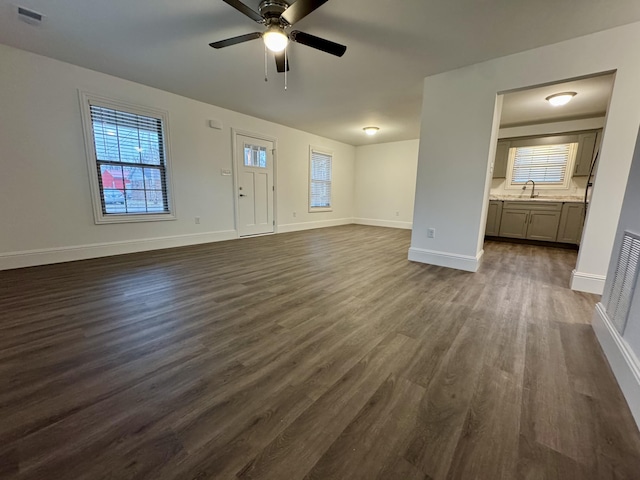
{"x": 536, "y": 220}
{"x": 531, "y": 220}
{"x": 543, "y": 226}
{"x": 571, "y": 223}
{"x": 494, "y": 216}
{"x": 514, "y": 223}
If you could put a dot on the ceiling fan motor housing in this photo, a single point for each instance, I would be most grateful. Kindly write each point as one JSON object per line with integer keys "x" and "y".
{"x": 271, "y": 11}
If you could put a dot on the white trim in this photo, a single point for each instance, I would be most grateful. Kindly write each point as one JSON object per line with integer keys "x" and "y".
{"x": 443, "y": 259}
{"x": 30, "y": 258}
{"x": 587, "y": 282}
{"x": 623, "y": 362}
{"x": 383, "y": 223}
{"x": 101, "y": 218}
{"x": 295, "y": 227}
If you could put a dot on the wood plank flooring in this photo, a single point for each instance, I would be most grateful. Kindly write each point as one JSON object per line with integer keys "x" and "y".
{"x": 322, "y": 354}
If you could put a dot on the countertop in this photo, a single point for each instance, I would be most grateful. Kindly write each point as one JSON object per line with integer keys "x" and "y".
{"x": 546, "y": 198}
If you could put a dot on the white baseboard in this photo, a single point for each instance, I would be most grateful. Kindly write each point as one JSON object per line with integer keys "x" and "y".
{"x": 443, "y": 259}
{"x": 30, "y": 258}
{"x": 383, "y": 223}
{"x": 623, "y": 362}
{"x": 587, "y": 282}
{"x": 295, "y": 227}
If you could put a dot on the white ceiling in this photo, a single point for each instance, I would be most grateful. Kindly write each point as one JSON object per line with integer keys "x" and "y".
{"x": 527, "y": 107}
{"x": 392, "y": 46}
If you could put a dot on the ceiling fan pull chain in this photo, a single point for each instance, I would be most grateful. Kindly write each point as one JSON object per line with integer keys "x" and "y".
{"x": 286, "y": 62}
{"x": 265, "y": 64}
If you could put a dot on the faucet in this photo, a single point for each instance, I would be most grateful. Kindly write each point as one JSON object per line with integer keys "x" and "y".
{"x": 533, "y": 190}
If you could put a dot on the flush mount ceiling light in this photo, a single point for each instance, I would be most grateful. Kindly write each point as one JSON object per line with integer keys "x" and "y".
{"x": 371, "y": 130}
{"x": 558, "y": 99}
{"x": 275, "y": 39}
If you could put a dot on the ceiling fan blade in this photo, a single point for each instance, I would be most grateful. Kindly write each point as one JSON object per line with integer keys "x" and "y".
{"x": 300, "y": 9}
{"x": 318, "y": 43}
{"x": 282, "y": 63}
{"x": 242, "y": 8}
{"x": 235, "y": 40}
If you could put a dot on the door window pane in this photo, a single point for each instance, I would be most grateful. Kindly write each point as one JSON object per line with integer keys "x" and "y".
{"x": 255, "y": 156}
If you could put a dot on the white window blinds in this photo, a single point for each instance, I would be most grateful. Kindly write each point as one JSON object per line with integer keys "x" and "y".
{"x": 544, "y": 164}
{"x": 320, "y": 180}
{"x": 130, "y": 161}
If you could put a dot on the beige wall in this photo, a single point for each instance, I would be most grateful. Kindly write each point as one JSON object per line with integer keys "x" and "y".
{"x": 385, "y": 183}
{"x": 459, "y": 132}
{"x": 44, "y": 187}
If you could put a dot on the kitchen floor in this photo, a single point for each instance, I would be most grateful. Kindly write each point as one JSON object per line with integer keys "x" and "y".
{"x": 317, "y": 354}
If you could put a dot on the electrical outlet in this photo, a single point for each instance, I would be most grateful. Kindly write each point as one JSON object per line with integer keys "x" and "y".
{"x": 397, "y": 214}
{"x": 431, "y": 233}
{"x": 197, "y": 220}
{"x": 295, "y": 214}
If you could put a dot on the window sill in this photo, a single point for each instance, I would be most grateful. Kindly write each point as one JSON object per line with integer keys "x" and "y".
{"x": 320, "y": 209}
{"x": 115, "y": 218}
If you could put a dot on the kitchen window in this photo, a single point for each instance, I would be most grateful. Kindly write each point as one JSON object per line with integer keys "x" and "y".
{"x": 320, "y": 181}
{"x": 548, "y": 166}
{"x": 128, "y": 161}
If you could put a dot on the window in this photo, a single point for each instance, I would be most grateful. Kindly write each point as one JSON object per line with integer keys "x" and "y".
{"x": 547, "y": 165}
{"x": 320, "y": 181}
{"x": 255, "y": 156}
{"x": 128, "y": 161}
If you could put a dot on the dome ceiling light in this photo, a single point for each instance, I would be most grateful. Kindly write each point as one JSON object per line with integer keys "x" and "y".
{"x": 559, "y": 99}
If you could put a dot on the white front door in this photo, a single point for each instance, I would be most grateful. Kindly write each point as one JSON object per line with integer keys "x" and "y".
{"x": 255, "y": 185}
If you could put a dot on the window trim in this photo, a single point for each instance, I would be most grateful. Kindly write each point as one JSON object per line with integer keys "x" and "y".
{"x": 566, "y": 185}
{"x": 329, "y": 153}
{"x": 86, "y": 99}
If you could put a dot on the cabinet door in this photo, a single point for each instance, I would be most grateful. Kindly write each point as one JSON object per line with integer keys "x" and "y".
{"x": 543, "y": 226}
{"x": 493, "y": 218}
{"x": 571, "y": 222}
{"x": 502, "y": 158}
{"x": 584, "y": 156}
{"x": 514, "y": 223}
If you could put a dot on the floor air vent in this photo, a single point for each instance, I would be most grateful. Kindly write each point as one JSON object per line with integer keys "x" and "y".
{"x": 619, "y": 298}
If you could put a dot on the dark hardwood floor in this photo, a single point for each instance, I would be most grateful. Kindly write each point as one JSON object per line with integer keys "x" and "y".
{"x": 321, "y": 355}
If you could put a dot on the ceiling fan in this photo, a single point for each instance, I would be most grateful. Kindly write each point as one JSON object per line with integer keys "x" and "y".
{"x": 278, "y": 16}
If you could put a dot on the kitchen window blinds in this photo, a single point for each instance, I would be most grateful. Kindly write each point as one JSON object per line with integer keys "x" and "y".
{"x": 544, "y": 164}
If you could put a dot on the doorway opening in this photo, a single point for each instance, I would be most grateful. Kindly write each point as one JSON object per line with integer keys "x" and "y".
{"x": 546, "y": 162}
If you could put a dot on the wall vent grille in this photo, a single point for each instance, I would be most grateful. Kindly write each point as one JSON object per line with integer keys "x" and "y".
{"x": 618, "y": 300}
{"x": 30, "y": 16}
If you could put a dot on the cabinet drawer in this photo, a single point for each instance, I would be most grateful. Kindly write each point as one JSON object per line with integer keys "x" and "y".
{"x": 524, "y": 205}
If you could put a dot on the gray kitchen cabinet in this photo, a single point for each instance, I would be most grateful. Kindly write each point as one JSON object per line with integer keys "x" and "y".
{"x": 502, "y": 159}
{"x": 514, "y": 223}
{"x": 543, "y": 225}
{"x": 571, "y": 223}
{"x": 531, "y": 220}
{"x": 494, "y": 217}
{"x": 587, "y": 143}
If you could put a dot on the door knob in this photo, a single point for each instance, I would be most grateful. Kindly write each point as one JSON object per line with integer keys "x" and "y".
{"x": 242, "y": 195}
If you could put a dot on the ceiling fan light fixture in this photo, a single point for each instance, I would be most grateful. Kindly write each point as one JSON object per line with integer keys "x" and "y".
{"x": 275, "y": 39}
{"x": 371, "y": 131}
{"x": 559, "y": 99}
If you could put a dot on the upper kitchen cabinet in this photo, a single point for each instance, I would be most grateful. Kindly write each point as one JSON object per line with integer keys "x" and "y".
{"x": 502, "y": 159}
{"x": 587, "y": 146}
